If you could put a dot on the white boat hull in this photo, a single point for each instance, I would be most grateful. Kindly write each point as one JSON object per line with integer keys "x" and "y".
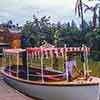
{"x": 49, "y": 92}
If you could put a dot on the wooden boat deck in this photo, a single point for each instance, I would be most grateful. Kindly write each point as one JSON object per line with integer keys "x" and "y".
{"x": 89, "y": 81}
{"x": 8, "y": 93}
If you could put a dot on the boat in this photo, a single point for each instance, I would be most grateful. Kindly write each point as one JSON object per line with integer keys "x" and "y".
{"x": 48, "y": 83}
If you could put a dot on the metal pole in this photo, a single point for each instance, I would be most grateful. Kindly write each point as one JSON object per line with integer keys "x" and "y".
{"x": 27, "y": 65}
{"x": 9, "y": 65}
{"x": 84, "y": 63}
{"x": 17, "y": 64}
{"x": 32, "y": 59}
{"x": 3, "y": 59}
{"x": 65, "y": 59}
{"x": 42, "y": 65}
{"x": 87, "y": 63}
{"x": 51, "y": 58}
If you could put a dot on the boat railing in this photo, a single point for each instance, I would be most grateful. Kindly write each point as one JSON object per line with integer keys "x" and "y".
{"x": 47, "y": 75}
{"x": 37, "y": 75}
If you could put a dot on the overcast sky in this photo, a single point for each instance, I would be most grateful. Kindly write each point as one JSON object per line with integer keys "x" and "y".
{"x": 21, "y": 10}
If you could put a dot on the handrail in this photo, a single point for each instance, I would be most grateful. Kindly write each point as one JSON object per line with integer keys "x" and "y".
{"x": 39, "y": 74}
{"x": 47, "y": 75}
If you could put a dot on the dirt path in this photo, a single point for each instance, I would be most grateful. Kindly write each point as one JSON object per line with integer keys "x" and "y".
{"x": 8, "y": 93}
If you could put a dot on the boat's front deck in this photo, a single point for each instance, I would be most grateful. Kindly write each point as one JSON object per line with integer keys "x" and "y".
{"x": 89, "y": 81}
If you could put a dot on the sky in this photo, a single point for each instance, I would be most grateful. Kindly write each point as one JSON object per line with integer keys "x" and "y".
{"x": 22, "y": 10}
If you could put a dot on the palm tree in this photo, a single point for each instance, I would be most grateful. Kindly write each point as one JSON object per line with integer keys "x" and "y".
{"x": 93, "y": 9}
{"x": 99, "y": 17}
{"x": 79, "y": 10}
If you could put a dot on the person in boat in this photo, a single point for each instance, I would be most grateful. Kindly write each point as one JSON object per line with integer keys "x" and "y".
{"x": 70, "y": 64}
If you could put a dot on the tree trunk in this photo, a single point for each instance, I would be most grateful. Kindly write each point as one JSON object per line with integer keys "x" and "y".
{"x": 82, "y": 19}
{"x": 99, "y": 17}
{"x": 94, "y": 20}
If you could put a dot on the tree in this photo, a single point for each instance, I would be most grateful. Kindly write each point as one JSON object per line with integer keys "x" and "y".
{"x": 54, "y": 31}
{"x": 85, "y": 27}
{"x": 73, "y": 24}
{"x": 79, "y": 11}
{"x": 8, "y": 24}
{"x": 93, "y": 41}
{"x": 99, "y": 17}
{"x": 93, "y": 9}
{"x": 36, "y": 30}
{"x": 69, "y": 35}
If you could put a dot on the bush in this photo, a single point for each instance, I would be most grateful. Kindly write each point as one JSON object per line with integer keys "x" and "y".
{"x": 95, "y": 55}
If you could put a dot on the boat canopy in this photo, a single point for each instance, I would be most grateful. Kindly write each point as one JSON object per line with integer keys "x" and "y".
{"x": 13, "y": 51}
{"x": 69, "y": 49}
{"x": 48, "y": 51}
{"x": 58, "y": 51}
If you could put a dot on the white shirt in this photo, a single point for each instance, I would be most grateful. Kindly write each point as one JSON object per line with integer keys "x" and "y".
{"x": 70, "y": 65}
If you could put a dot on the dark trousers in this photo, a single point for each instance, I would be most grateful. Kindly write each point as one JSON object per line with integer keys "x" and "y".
{"x": 69, "y": 76}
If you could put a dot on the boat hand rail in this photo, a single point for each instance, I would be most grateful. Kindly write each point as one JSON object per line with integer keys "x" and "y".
{"x": 10, "y": 71}
{"x": 39, "y": 74}
{"x": 47, "y": 75}
{"x": 7, "y": 70}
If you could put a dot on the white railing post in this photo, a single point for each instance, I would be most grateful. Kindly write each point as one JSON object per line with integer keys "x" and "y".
{"x": 17, "y": 65}
{"x": 65, "y": 59}
{"x": 27, "y": 65}
{"x": 42, "y": 74}
{"x": 9, "y": 56}
{"x": 84, "y": 57}
{"x": 87, "y": 61}
{"x": 51, "y": 58}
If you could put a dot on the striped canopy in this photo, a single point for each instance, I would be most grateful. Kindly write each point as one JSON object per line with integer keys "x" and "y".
{"x": 13, "y": 51}
{"x": 58, "y": 51}
{"x": 70, "y": 49}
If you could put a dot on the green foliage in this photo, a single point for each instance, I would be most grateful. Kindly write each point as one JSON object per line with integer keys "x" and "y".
{"x": 59, "y": 34}
{"x": 36, "y": 30}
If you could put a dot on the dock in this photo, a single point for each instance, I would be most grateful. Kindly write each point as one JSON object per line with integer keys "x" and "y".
{"x": 9, "y": 93}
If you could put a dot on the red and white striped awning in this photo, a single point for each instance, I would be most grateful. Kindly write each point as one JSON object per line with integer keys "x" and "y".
{"x": 58, "y": 51}
{"x": 70, "y": 49}
{"x": 48, "y": 51}
{"x": 13, "y": 51}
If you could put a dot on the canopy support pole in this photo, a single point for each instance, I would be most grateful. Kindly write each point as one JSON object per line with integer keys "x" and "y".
{"x": 17, "y": 65}
{"x": 51, "y": 58}
{"x": 3, "y": 59}
{"x": 32, "y": 59}
{"x": 87, "y": 61}
{"x": 27, "y": 65}
{"x": 65, "y": 59}
{"x": 42, "y": 74}
{"x": 84, "y": 63}
{"x": 9, "y": 57}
